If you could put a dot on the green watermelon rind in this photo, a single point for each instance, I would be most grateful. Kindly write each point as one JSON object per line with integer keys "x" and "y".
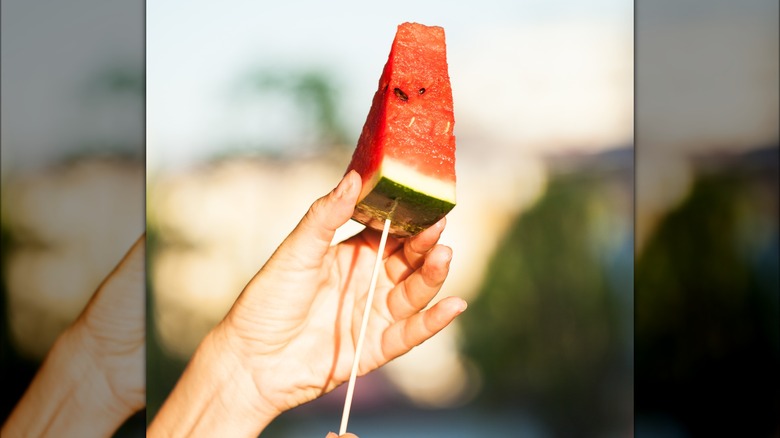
{"x": 410, "y": 211}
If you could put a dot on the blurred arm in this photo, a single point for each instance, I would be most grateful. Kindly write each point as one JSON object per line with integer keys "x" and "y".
{"x": 93, "y": 378}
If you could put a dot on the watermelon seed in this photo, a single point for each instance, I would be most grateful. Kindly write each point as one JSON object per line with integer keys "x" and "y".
{"x": 411, "y": 122}
{"x": 422, "y": 90}
{"x": 447, "y": 128}
{"x": 401, "y": 95}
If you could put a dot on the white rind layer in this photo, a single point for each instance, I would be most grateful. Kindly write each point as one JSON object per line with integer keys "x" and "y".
{"x": 410, "y": 177}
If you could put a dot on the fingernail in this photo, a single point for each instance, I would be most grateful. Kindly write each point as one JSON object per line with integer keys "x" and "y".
{"x": 463, "y": 306}
{"x": 344, "y": 186}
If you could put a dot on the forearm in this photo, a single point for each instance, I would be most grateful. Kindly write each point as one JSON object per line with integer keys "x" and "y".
{"x": 69, "y": 396}
{"x": 215, "y": 396}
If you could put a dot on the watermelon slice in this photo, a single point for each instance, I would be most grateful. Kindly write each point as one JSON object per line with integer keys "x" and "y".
{"x": 406, "y": 151}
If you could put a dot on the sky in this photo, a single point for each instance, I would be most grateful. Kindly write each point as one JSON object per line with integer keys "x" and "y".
{"x": 52, "y": 61}
{"x": 195, "y": 52}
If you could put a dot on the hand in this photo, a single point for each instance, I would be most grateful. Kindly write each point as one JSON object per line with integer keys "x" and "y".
{"x": 296, "y": 323}
{"x": 346, "y": 435}
{"x": 290, "y": 336}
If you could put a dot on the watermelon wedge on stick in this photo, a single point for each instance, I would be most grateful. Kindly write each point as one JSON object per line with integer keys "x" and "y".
{"x": 406, "y": 151}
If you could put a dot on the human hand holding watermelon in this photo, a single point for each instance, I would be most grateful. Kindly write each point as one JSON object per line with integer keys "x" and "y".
{"x": 290, "y": 336}
{"x": 297, "y": 329}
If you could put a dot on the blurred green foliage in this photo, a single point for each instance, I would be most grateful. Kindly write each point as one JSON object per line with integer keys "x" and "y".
{"x": 114, "y": 80}
{"x": 548, "y": 328}
{"x": 315, "y": 93}
{"x": 707, "y": 309}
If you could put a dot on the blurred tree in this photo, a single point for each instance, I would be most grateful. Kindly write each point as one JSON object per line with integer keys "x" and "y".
{"x": 315, "y": 95}
{"x": 110, "y": 105}
{"x": 546, "y": 328}
{"x": 115, "y": 80}
{"x": 707, "y": 308}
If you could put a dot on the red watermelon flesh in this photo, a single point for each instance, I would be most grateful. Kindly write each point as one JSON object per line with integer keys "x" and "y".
{"x": 406, "y": 151}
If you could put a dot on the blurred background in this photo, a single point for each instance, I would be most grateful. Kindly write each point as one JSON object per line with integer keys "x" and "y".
{"x": 611, "y": 293}
{"x": 253, "y": 111}
{"x": 72, "y": 157}
{"x": 707, "y": 327}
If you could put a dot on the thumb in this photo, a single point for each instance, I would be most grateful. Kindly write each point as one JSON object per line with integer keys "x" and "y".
{"x": 312, "y": 237}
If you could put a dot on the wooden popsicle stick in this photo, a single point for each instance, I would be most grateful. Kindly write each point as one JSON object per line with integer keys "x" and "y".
{"x": 363, "y": 325}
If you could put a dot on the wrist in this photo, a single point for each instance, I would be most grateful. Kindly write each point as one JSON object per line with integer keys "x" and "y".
{"x": 121, "y": 365}
{"x": 70, "y": 395}
{"x": 236, "y": 362}
{"x": 216, "y": 396}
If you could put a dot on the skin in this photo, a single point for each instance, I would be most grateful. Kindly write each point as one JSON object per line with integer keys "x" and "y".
{"x": 290, "y": 336}
{"x": 93, "y": 378}
{"x": 288, "y": 339}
